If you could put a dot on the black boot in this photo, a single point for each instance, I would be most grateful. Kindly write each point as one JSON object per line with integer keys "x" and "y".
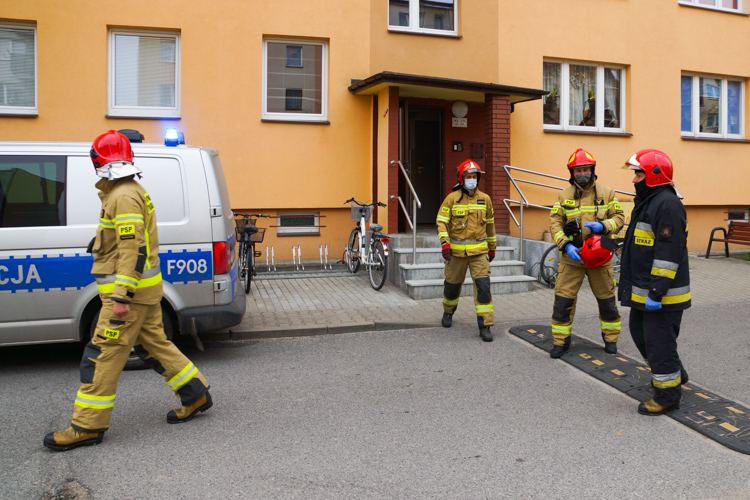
{"x": 609, "y": 347}
{"x": 447, "y": 319}
{"x": 558, "y": 350}
{"x": 485, "y": 333}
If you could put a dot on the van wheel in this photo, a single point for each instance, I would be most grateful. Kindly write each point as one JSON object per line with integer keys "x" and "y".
{"x": 134, "y": 362}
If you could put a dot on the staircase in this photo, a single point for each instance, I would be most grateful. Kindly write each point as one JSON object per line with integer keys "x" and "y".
{"x": 424, "y": 279}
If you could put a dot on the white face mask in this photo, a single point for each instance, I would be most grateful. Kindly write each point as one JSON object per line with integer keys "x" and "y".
{"x": 470, "y": 184}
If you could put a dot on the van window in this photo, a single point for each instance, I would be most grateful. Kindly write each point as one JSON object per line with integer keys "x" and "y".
{"x": 32, "y": 191}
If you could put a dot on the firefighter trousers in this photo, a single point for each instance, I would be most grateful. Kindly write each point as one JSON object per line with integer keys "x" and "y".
{"x": 569, "y": 280}
{"x": 455, "y": 274}
{"x": 655, "y": 335}
{"x": 106, "y": 354}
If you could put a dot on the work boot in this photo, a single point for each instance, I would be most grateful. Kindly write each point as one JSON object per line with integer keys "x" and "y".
{"x": 558, "y": 350}
{"x": 188, "y": 412}
{"x": 485, "y": 333}
{"x": 683, "y": 376}
{"x": 71, "y": 438}
{"x": 447, "y": 319}
{"x": 653, "y": 408}
{"x": 610, "y": 347}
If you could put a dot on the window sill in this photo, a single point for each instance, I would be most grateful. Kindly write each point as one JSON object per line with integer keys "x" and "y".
{"x": 706, "y": 7}
{"x": 582, "y": 132}
{"x": 302, "y": 122}
{"x": 284, "y": 235}
{"x": 409, "y": 32}
{"x": 714, "y": 139}
{"x": 136, "y": 117}
{"x": 19, "y": 115}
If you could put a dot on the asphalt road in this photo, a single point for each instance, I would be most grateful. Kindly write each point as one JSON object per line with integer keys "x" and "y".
{"x": 428, "y": 413}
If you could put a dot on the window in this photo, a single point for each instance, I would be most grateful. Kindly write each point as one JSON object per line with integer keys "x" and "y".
{"x": 592, "y": 97}
{"x": 298, "y": 223}
{"x": 422, "y": 16}
{"x": 728, "y": 5}
{"x": 712, "y": 107}
{"x": 144, "y": 74}
{"x": 18, "y": 91}
{"x": 737, "y": 215}
{"x": 32, "y": 191}
{"x": 296, "y": 91}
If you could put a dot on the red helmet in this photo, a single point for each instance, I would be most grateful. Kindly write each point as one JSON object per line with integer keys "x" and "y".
{"x": 467, "y": 167}
{"x": 656, "y": 165}
{"x": 595, "y": 252}
{"x": 109, "y": 147}
{"x": 581, "y": 158}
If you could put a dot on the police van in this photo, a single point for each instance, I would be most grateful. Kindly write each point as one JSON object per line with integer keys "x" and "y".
{"x": 49, "y": 211}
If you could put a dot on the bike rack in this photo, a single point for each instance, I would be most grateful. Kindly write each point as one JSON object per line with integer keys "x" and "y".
{"x": 299, "y": 266}
{"x": 324, "y": 265}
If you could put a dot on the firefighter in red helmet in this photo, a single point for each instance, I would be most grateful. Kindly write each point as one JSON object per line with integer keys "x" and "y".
{"x": 466, "y": 228}
{"x": 655, "y": 278}
{"x": 127, "y": 273}
{"x": 583, "y": 209}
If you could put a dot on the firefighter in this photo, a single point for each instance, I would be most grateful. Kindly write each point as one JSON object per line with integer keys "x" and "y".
{"x": 582, "y": 209}
{"x": 466, "y": 228}
{"x": 654, "y": 277}
{"x": 127, "y": 273}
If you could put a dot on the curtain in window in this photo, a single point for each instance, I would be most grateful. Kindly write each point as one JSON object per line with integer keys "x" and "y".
{"x": 582, "y": 95}
{"x": 17, "y": 79}
{"x": 686, "y": 107}
{"x": 612, "y": 78}
{"x": 551, "y": 102}
{"x": 145, "y": 71}
{"x": 733, "y": 107}
{"x": 710, "y": 105}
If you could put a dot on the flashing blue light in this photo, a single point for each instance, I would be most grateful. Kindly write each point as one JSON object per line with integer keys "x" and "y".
{"x": 172, "y": 138}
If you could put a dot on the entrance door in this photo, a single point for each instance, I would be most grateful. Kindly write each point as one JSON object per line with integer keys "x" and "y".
{"x": 426, "y": 160}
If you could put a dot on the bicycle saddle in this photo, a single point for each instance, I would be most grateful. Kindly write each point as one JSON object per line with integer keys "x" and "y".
{"x": 250, "y": 229}
{"x": 376, "y": 228}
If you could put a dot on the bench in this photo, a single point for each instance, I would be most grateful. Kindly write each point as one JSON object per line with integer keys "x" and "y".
{"x": 739, "y": 233}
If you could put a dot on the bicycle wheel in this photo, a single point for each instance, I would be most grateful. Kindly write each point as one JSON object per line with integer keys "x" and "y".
{"x": 248, "y": 267}
{"x": 378, "y": 265}
{"x": 354, "y": 251}
{"x": 242, "y": 261}
{"x": 548, "y": 266}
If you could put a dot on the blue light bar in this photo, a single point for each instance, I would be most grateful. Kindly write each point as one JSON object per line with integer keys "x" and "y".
{"x": 171, "y": 137}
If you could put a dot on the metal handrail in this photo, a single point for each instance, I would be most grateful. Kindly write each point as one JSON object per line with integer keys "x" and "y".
{"x": 415, "y": 204}
{"x": 525, "y": 202}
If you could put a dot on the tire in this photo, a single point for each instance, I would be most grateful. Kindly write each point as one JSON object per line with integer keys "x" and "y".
{"x": 354, "y": 251}
{"x": 378, "y": 268}
{"x": 548, "y": 266}
{"x": 249, "y": 269}
{"x": 134, "y": 362}
{"x": 242, "y": 264}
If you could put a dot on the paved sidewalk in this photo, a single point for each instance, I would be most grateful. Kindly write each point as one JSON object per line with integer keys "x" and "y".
{"x": 299, "y": 306}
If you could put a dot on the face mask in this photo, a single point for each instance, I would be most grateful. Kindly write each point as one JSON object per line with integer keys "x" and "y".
{"x": 640, "y": 187}
{"x": 470, "y": 184}
{"x": 583, "y": 179}
{"x": 117, "y": 170}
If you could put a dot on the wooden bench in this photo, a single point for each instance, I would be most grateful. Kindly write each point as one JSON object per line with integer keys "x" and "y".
{"x": 739, "y": 233}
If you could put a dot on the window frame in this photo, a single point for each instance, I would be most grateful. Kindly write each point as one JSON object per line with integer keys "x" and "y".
{"x": 414, "y": 19}
{"x": 296, "y": 230}
{"x": 741, "y": 6}
{"x": 723, "y": 107}
{"x": 565, "y": 98}
{"x": 321, "y": 117}
{"x": 143, "y": 111}
{"x": 25, "y": 110}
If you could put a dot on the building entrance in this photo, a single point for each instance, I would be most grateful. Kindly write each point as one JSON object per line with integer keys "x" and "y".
{"x": 425, "y": 158}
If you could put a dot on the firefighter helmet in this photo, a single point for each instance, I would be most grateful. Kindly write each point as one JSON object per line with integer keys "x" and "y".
{"x": 112, "y": 156}
{"x": 656, "y": 165}
{"x": 465, "y": 167}
{"x": 597, "y": 251}
{"x": 581, "y": 158}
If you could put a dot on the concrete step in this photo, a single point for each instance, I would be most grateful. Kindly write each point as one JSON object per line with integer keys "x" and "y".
{"x": 432, "y": 289}
{"x": 434, "y": 255}
{"x": 435, "y": 270}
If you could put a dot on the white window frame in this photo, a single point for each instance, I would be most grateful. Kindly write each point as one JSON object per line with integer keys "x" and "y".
{"x": 414, "y": 20}
{"x": 143, "y": 111}
{"x": 741, "y": 6}
{"x": 296, "y": 117}
{"x": 565, "y": 98}
{"x": 292, "y": 230}
{"x": 723, "y": 108}
{"x": 24, "y": 110}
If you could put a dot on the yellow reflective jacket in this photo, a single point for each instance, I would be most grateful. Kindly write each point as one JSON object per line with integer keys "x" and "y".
{"x": 126, "y": 247}
{"x": 466, "y": 221}
{"x": 595, "y": 204}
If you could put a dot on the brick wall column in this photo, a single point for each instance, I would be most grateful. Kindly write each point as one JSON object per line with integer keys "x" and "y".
{"x": 497, "y": 147}
{"x": 393, "y": 171}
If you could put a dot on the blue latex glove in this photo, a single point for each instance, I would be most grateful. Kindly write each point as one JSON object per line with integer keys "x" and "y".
{"x": 652, "y": 305}
{"x": 595, "y": 227}
{"x": 572, "y": 252}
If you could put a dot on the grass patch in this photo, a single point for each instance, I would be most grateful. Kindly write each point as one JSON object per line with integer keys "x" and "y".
{"x": 741, "y": 256}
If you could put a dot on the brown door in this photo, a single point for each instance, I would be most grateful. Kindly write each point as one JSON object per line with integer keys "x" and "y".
{"x": 425, "y": 153}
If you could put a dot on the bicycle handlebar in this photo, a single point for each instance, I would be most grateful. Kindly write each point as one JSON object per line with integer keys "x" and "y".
{"x": 378, "y": 203}
{"x": 251, "y": 215}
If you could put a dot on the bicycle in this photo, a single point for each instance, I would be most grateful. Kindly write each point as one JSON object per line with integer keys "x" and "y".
{"x": 551, "y": 260}
{"x": 373, "y": 253}
{"x": 247, "y": 236}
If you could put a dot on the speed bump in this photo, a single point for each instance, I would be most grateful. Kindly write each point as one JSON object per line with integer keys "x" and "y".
{"x": 721, "y": 419}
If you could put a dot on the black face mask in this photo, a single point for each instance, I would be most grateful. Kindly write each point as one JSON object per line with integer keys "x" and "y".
{"x": 583, "y": 179}
{"x": 640, "y": 188}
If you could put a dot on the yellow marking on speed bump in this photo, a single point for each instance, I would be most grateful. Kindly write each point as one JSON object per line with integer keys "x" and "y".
{"x": 644, "y": 369}
{"x": 706, "y": 415}
{"x": 702, "y": 395}
{"x": 735, "y": 410}
{"x": 686, "y": 388}
{"x": 531, "y": 331}
{"x": 585, "y": 356}
{"x": 597, "y": 362}
{"x": 622, "y": 359}
{"x": 618, "y": 372}
{"x": 729, "y": 427}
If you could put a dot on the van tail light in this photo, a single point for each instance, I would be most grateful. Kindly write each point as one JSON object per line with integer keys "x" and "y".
{"x": 222, "y": 260}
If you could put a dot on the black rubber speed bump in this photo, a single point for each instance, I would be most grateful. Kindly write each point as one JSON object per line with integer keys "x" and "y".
{"x": 720, "y": 419}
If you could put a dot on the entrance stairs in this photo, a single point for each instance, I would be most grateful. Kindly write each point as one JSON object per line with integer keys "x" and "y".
{"x": 424, "y": 279}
